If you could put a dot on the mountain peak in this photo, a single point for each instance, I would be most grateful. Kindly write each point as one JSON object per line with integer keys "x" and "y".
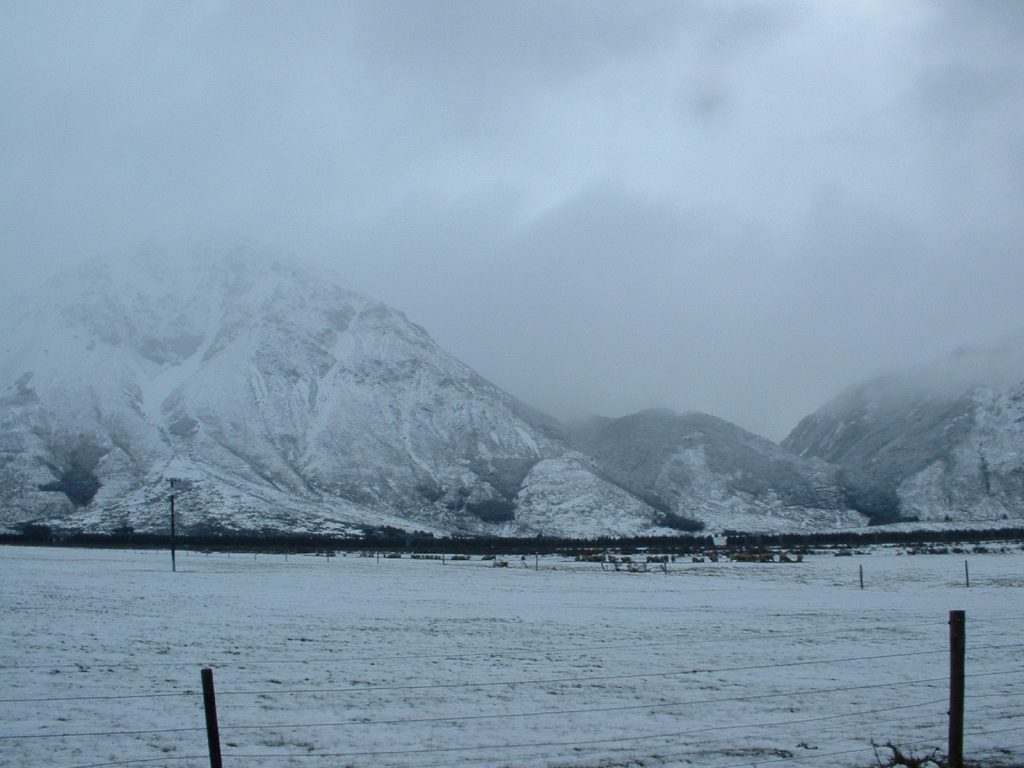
{"x": 289, "y": 401}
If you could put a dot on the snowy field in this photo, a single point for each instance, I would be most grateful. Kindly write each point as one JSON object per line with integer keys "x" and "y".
{"x": 351, "y": 661}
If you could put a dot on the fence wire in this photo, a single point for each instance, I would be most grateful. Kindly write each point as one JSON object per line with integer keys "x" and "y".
{"x": 776, "y": 723}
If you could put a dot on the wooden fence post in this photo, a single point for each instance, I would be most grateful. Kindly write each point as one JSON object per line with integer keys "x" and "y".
{"x": 957, "y": 646}
{"x": 210, "y": 706}
{"x": 967, "y": 575}
{"x": 861, "y": 567}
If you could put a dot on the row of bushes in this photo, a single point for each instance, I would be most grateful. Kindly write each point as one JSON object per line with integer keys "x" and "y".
{"x": 868, "y": 537}
{"x": 391, "y": 539}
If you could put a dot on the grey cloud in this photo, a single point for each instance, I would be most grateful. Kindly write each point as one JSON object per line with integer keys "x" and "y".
{"x": 494, "y": 47}
{"x": 737, "y": 207}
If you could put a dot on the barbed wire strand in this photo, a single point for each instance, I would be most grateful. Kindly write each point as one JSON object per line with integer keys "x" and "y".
{"x": 519, "y": 746}
{"x": 484, "y": 684}
{"x": 507, "y": 653}
{"x": 589, "y": 710}
{"x": 994, "y": 619}
{"x": 577, "y": 750}
{"x": 1001, "y": 750}
{"x": 999, "y": 730}
{"x": 548, "y": 681}
{"x": 96, "y": 734}
{"x": 632, "y": 755}
{"x": 610, "y": 740}
{"x": 139, "y": 760}
{"x": 791, "y": 722}
{"x": 755, "y": 761}
{"x": 100, "y": 697}
{"x": 507, "y": 715}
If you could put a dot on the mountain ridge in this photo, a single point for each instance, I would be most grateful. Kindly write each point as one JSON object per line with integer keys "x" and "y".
{"x": 927, "y": 446}
{"x": 699, "y": 466}
{"x": 286, "y": 402}
{"x": 282, "y": 400}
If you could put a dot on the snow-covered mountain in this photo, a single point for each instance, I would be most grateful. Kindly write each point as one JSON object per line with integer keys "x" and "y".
{"x": 940, "y": 443}
{"x": 282, "y": 402}
{"x": 696, "y": 466}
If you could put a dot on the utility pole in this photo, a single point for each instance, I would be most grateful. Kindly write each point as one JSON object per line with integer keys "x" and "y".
{"x": 173, "y": 542}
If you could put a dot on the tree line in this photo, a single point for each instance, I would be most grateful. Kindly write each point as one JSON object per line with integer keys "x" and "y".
{"x": 394, "y": 539}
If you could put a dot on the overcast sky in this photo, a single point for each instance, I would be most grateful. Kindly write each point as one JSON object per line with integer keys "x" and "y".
{"x": 733, "y": 207}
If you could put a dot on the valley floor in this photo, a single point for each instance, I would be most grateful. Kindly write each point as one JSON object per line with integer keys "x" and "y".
{"x": 355, "y": 661}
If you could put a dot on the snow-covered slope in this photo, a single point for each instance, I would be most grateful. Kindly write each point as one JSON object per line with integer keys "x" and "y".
{"x": 944, "y": 443}
{"x": 698, "y": 467}
{"x": 283, "y": 402}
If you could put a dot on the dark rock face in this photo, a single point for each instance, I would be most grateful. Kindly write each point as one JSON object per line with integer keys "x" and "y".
{"x": 493, "y": 510}
{"x": 76, "y": 471}
{"x": 80, "y": 485}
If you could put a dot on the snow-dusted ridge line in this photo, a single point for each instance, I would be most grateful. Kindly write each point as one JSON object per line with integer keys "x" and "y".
{"x": 291, "y": 403}
{"x": 288, "y": 402}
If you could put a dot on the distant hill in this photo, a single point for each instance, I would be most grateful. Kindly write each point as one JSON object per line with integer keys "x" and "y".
{"x": 700, "y": 467}
{"x": 940, "y": 443}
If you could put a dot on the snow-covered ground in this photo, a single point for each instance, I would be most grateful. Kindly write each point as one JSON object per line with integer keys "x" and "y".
{"x": 351, "y": 661}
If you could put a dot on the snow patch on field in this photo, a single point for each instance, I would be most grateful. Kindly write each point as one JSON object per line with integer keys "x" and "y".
{"x": 402, "y": 662}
